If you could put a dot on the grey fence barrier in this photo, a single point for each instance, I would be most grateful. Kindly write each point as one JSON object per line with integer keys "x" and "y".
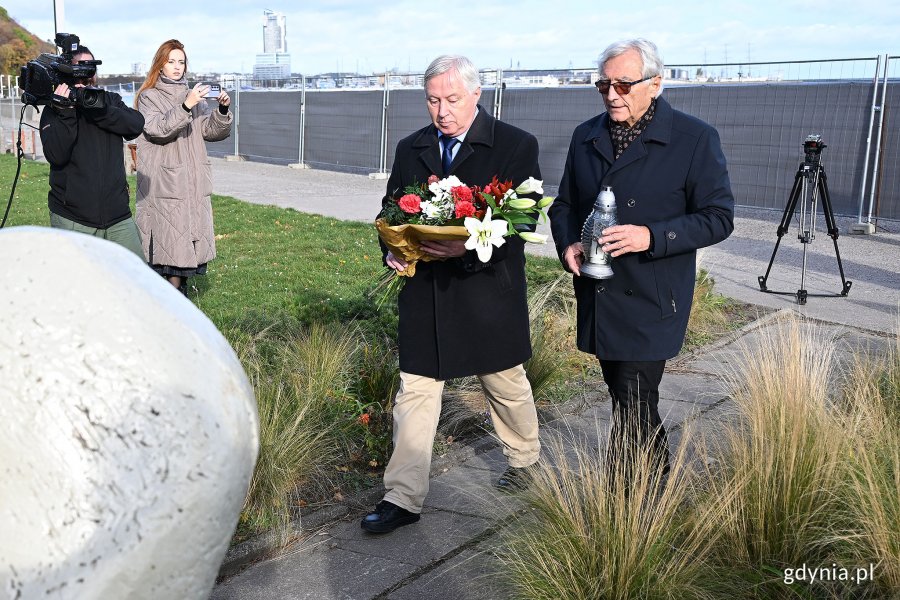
{"x": 762, "y": 127}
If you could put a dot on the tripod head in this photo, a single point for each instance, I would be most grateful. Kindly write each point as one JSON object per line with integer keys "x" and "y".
{"x": 812, "y": 149}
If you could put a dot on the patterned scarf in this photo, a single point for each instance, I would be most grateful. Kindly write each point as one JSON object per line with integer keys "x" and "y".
{"x": 622, "y": 135}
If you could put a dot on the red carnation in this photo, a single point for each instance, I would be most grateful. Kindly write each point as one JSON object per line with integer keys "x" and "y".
{"x": 461, "y": 193}
{"x": 410, "y": 203}
{"x": 433, "y": 179}
{"x": 464, "y": 208}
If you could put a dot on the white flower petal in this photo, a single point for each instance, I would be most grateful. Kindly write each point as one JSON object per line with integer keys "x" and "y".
{"x": 472, "y": 225}
{"x": 530, "y": 186}
{"x": 534, "y": 238}
{"x": 484, "y": 252}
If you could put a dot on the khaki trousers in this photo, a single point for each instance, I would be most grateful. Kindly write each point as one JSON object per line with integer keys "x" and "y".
{"x": 417, "y": 408}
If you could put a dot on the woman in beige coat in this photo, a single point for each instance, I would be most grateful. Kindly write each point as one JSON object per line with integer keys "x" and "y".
{"x": 174, "y": 183}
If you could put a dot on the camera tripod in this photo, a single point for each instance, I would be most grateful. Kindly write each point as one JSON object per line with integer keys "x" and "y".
{"x": 809, "y": 183}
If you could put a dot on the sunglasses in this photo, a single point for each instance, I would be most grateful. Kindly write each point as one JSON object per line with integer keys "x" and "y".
{"x": 623, "y": 88}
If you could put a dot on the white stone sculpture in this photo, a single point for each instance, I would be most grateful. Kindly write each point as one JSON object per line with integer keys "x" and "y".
{"x": 128, "y": 429}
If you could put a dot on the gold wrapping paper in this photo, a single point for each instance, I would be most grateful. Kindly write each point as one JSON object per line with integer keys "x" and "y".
{"x": 403, "y": 240}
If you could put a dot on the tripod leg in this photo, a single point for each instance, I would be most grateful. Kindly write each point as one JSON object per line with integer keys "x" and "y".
{"x": 832, "y": 229}
{"x": 785, "y": 224}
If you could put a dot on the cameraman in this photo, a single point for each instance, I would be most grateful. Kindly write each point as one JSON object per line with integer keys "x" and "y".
{"x": 88, "y": 190}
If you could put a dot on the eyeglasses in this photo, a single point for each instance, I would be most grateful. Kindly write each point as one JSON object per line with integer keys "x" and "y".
{"x": 623, "y": 88}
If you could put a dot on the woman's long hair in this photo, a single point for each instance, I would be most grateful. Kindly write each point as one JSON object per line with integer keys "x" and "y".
{"x": 159, "y": 59}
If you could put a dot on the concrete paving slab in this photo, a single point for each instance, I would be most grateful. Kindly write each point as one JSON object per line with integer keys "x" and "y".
{"x": 433, "y": 537}
{"x": 470, "y": 491}
{"x": 472, "y": 575}
{"x": 325, "y": 572}
{"x": 675, "y": 413}
{"x": 492, "y": 460}
{"x": 692, "y": 387}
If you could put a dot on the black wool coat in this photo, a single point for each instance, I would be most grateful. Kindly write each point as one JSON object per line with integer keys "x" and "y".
{"x": 674, "y": 180}
{"x": 461, "y": 317}
{"x": 87, "y": 165}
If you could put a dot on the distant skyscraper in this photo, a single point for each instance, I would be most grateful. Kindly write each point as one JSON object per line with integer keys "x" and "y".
{"x": 274, "y": 62}
{"x": 274, "y": 33}
{"x": 138, "y": 68}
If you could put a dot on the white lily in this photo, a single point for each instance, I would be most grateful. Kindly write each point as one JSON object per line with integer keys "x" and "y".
{"x": 521, "y": 203}
{"x": 530, "y": 186}
{"x": 484, "y": 235}
{"x": 534, "y": 238}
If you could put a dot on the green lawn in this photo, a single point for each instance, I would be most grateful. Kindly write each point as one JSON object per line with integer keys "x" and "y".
{"x": 270, "y": 260}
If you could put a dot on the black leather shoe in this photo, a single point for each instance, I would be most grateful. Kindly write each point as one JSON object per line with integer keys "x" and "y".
{"x": 387, "y": 517}
{"x": 513, "y": 480}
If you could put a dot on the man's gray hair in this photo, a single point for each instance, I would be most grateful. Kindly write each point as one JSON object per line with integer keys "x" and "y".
{"x": 452, "y": 62}
{"x": 650, "y": 58}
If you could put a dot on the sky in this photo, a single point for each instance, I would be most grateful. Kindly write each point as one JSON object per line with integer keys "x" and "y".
{"x": 370, "y": 37}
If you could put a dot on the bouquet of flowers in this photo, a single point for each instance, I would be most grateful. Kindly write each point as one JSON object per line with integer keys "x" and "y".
{"x": 448, "y": 209}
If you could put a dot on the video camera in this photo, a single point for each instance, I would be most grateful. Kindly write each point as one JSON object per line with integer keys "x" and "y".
{"x": 812, "y": 148}
{"x": 42, "y": 75}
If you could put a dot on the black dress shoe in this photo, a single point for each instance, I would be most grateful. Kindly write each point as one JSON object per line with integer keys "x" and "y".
{"x": 387, "y": 517}
{"x": 513, "y": 480}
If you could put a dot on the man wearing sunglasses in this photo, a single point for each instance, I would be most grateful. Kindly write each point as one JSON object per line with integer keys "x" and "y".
{"x": 670, "y": 180}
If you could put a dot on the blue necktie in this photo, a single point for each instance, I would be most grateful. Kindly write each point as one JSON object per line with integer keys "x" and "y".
{"x": 447, "y": 157}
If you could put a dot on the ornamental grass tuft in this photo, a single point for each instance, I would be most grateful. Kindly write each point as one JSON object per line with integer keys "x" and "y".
{"x": 591, "y": 531}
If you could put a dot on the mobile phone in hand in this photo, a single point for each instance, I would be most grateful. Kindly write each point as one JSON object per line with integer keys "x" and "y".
{"x": 214, "y": 90}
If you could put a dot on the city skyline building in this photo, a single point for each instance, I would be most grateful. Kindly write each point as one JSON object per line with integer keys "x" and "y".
{"x": 274, "y": 62}
{"x": 274, "y": 33}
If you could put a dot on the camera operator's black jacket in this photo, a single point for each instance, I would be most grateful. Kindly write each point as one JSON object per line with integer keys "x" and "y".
{"x": 87, "y": 163}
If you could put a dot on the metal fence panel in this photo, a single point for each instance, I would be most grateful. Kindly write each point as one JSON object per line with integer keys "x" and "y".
{"x": 343, "y": 129}
{"x": 887, "y": 192}
{"x": 551, "y": 115}
{"x": 270, "y": 126}
{"x": 763, "y": 127}
{"x": 407, "y": 113}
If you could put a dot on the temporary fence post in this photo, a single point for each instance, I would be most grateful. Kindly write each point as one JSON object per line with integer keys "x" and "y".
{"x": 860, "y": 226}
{"x": 237, "y": 119}
{"x": 301, "y": 150}
{"x": 887, "y": 60}
{"x": 382, "y": 151}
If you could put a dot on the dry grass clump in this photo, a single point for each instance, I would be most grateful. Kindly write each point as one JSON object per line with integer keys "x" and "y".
{"x": 779, "y": 487}
{"x": 550, "y": 312}
{"x": 298, "y": 374}
{"x": 594, "y": 533}
{"x": 803, "y": 473}
{"x": 872, "y": 397}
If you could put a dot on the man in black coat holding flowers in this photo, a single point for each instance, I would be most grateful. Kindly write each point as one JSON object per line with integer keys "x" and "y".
{"x": 459, "y": 316}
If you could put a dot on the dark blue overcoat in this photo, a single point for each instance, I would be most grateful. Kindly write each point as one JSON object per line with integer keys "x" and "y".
{"x": 673, "y": 179}
{"x": 461, "y": 317}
